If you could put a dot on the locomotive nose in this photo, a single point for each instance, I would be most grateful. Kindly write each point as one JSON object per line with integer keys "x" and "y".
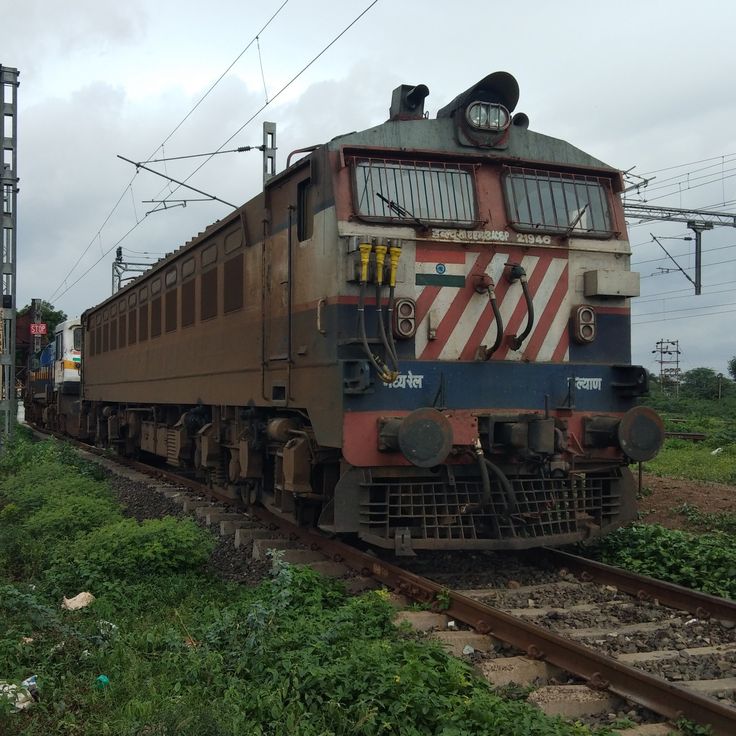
{"x": 425, "y": 437}
{"x": 641, "y": 433}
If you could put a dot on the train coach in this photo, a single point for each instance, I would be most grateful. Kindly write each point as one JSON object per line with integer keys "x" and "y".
{"x": 418, "y": 334}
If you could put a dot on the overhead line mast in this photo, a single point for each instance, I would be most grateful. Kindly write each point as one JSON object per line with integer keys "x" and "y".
{"x": 9, "y": 184}
{"x": 696, "y": 220}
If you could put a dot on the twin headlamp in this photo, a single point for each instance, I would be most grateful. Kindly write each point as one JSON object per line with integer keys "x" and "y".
{"x": 488, "y": 116}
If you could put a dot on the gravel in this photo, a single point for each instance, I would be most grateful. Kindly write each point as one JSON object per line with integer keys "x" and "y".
{"x": 465, "y": 570}
{"x": 141, "y": 502}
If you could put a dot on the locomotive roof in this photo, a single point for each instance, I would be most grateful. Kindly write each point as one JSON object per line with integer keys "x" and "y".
{"x": 438, "y": 134}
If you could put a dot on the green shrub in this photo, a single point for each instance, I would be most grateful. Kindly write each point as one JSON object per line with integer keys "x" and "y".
{"x": 130, "y": 550}
{"x": 704, "y": 562}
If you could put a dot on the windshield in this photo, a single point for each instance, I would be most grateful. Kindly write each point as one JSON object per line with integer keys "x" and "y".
{"x": 549, "y": 202}
{"x": 419, "y": 192}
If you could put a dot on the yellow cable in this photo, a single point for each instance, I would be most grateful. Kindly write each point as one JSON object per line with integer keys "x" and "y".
{"x": 365, "y": 255}
{"x": 394, "y": 254}
{"x": 380, "y": 260}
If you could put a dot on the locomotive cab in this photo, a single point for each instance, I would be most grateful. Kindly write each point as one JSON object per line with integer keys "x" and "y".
{"x": 53, "y": 400}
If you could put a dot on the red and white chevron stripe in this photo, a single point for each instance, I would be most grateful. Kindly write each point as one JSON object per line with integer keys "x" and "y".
{"x": 464, "y": 320}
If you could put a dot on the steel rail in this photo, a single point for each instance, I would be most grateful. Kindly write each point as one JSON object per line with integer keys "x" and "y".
{"x": 643, "y": 587}
{"x": 600, "y": 671}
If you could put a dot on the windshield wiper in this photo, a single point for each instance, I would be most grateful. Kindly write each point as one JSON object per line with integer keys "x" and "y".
{"x": 401, "y": 211}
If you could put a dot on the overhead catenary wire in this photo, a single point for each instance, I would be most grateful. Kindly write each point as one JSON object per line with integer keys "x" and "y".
{"x": 688, "y": 309}
{"x": 705, "y": 265}
{"x": 684, "y": 316}
{"x": 98, "y": 233}
{"x": 661, "y": 296}
{"x": 263, "y": 75}
{"x": 686, "y": 178}
{"x": 681, "y": 255}
{"x": 239, "y": 149}
{"x": 688, "y": 188}
{"x": 242, "y": 127}
{"x": 689, "y": 163}
{"x": 284, "y": 88}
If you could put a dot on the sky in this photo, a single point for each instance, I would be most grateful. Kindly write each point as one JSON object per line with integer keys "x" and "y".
{"x": 644, "y": 86}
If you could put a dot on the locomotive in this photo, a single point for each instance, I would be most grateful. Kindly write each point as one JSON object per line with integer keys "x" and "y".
{"x": 417, "y": 334}
{"x": 52, "y": 395}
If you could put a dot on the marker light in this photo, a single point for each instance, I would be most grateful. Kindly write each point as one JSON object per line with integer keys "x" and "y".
{"x": 488, "y": 116}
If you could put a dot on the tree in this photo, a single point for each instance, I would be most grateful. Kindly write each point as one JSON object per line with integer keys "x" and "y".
{"x": 732, "y": 367}
{"x": 700, "y": 383}
{"x": 52, "y": 317}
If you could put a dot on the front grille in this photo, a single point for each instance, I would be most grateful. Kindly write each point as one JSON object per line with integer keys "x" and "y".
{"x": 449, "y": 506}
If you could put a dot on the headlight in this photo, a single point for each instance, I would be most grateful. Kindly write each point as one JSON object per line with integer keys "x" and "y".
{"x": 488, "y": 116}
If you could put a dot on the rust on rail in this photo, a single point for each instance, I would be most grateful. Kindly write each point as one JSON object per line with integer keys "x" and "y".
{"x": 700, "y": 604}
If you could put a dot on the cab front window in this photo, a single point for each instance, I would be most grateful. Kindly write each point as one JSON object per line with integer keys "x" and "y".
{"x": 550, "y": 202}
{"x": 415, "y": 192}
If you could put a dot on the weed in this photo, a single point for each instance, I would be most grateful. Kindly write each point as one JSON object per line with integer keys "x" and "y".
{"x": 723, "y": 521}
{"x": 443, "y": 599}
{"x": 688, "y": 728}
{"x": 704, "y": 562}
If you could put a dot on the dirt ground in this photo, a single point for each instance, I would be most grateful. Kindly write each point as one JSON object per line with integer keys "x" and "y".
{"x": 668, "y": 494}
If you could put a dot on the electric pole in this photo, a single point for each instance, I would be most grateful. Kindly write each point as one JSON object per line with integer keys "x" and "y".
{"x": 669, "y": 364}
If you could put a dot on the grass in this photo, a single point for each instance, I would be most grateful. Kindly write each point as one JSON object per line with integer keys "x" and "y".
{"x": 183, "y": 653}
{"x": 695, "y": 460}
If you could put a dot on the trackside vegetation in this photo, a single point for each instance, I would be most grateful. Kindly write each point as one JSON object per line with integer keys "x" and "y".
{"x": 716, "y": 419}
{"x": 705, "y": 558}
{"x": 705, "y": 562}
{"x": 183, "y": 653}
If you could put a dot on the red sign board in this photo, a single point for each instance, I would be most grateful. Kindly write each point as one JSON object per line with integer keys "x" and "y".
{"x": 38, "y": 328}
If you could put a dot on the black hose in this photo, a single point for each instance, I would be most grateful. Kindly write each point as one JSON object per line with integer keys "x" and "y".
{"x": 382, "y": 330}
{"x": 382, "y": 373}
{"x": 486, "y": 499}
{"x": 390, "y": 321}
{"x": 499, "y": 324}
{"x": 519, "y": 339}
{"x": 485, "y": 479}
{"x": 512, "y": 505}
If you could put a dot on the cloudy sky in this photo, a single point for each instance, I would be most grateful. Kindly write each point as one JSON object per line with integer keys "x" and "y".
{"x": 637, "y": 84}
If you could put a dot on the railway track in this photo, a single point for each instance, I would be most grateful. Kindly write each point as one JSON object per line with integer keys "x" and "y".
{"x": 547, "y": 632}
